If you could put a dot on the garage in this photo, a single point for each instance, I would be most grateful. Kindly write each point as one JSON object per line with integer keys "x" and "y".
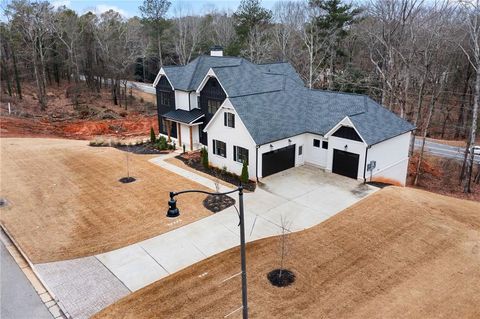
{"x": 345, "y": 163}
{"x": 278, "y": 160}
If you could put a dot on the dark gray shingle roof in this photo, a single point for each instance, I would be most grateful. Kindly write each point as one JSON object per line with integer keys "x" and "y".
{"x": 273, "y": 102}
{"x": 183, "y": 115}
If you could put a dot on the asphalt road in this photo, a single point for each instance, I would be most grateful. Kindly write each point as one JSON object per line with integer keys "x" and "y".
{"x": 18, "y": 299}
{"x": 443, "y": 150}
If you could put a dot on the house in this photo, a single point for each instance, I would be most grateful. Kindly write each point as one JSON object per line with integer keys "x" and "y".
{"x": 263, "y": 114}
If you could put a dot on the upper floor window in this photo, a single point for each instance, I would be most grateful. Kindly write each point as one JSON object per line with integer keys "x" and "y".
{"x": 325, "y": 145}
{"x": 229, "y": 119}
{"x": 219, "y": 148}
{"x": 316, "y": 143}
{"x": 240, "y": 154}
{"x": 165, "y": 98}
{"x": 213, "y": 106}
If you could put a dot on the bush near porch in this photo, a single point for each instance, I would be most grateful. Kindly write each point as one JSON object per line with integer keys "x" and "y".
{"x": 194, "y": 160}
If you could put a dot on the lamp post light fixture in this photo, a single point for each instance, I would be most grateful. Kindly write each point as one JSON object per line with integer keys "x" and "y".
{"x": 174, "y": 212}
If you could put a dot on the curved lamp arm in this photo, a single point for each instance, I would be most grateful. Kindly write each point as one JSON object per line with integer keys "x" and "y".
{"x": 238, "y": 189}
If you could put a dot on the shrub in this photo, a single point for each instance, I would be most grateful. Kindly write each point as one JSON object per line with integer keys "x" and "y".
{"x": 153, "y": 138}
{"x": 244, "y": 176}
{"x": 161, "y": 143}
{"x": 204, "y": 153}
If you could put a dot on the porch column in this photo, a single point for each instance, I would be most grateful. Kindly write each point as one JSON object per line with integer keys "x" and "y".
{"x": 169, "y": 130}
{"x": 191, "y": 138}
{"x": 179, "y": 132}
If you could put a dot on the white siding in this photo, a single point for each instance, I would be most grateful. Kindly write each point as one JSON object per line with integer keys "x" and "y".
{"x": 315, "y": 155}
{"x": 181, "y": 100}
{"x": 392, "y": 160}
{"x": 237, "y": 136}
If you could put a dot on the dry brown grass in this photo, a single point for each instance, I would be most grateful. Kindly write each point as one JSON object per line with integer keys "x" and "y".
{"x": 65, "y": 200}
{"x": 400, "y": 253}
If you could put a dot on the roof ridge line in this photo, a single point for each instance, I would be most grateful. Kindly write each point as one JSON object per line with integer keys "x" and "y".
{"x": 250, "y": 94}
{"x": 194, "y": 70}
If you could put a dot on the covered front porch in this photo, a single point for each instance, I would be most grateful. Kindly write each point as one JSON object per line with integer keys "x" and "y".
{"x": 186, "y": 127}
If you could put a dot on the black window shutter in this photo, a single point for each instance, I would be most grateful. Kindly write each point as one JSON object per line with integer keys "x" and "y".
{"x": 234, "y": 153}
{"x": 233, "y": 120}
{"x": 225, "y": 119}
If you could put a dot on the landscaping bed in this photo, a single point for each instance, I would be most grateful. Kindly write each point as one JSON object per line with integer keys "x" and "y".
{"x": 194, "y": 160}
{"x": 217, "y": 203}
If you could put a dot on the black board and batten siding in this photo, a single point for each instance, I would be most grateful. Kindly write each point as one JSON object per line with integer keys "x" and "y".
{"x": 165, "y": 93}
{"x": 211, "y": 91}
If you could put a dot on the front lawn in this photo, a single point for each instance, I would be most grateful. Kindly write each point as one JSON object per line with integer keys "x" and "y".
{"x": 64, "y": 198}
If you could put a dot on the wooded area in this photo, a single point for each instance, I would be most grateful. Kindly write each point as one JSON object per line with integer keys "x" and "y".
{"x": 420, "y": 59}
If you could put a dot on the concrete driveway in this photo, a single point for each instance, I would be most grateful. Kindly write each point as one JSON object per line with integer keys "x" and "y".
{"x": 305, "y": 196}
{"x": 302, "y": 196}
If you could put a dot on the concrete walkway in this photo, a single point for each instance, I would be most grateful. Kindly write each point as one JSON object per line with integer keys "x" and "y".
{"x": 302, "y": 196}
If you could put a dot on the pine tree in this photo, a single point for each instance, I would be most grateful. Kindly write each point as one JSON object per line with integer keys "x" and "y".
{"x": 204, "y": 154}
{"x": 153, "y": 137}
{"x": 244, "y": 176}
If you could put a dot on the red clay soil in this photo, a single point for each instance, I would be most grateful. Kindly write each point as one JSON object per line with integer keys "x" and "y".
{"x": 134, "y": 125}
{"x": 440, "y": 175}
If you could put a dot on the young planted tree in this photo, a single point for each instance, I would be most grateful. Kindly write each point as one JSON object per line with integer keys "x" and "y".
{"x": 204, "y": 155}
{"x": 281, "y": 276}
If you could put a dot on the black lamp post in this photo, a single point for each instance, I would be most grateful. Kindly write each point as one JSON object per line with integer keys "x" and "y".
{"x": 174, "y": 212}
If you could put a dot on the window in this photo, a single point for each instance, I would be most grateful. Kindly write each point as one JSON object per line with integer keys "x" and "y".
{"x": 165, "y": 98}
{"x": 240, "y": 154}
{"x": 325, "y": 145}
{"x": 219, "y": 148}
{"x": 229, "y": 119}
{"x": 347, "y": 132}
{"x": 316, "y": 143}
{"x": 300, "y": 150}
{"x": 213, "y": 106}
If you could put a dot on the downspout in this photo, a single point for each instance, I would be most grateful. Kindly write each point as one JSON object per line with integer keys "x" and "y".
{"x": 256, "y": 161}
{"x": 365, "y": 165}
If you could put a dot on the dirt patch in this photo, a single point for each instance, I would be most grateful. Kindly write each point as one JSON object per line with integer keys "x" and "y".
{"x": 400, "y": 252}
{"x": 65, "y": 200}
{"x": 135, "y": 125}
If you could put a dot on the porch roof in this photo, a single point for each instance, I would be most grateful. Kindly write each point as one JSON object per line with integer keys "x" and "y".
{"x": 183, "y": 116}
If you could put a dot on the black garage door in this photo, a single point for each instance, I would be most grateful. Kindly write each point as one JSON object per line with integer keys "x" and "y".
{"x": 278, "y": 160}
{"x": 345, "y": 163}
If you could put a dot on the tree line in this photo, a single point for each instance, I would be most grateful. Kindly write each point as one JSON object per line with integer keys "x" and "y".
{"x": 420, "y": 59}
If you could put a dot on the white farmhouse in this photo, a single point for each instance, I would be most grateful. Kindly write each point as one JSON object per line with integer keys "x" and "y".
{"x": 263, "y": 114}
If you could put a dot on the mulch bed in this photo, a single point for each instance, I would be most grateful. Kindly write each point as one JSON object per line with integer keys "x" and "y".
{"x": 217, "y": 203}
{"x": 284, "y": 279}
{"x": 146, "y": 148}
{"x": 193, "y": 159}
{"x": 126, "y": 180}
